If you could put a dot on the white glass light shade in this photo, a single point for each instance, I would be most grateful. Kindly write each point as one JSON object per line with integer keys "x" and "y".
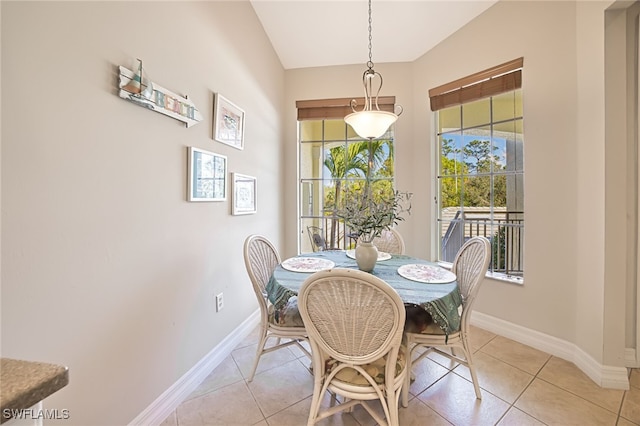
{"x": 370, "y": 124}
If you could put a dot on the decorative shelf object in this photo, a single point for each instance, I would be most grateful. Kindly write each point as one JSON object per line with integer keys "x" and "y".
{"x": 137, "y": 88}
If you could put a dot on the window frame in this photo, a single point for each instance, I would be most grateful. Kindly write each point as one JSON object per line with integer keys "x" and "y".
{"x": 322, "y": 111}
{"x": 485, "y": 85}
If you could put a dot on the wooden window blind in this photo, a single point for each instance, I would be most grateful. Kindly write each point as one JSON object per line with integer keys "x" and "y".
{"x": 324, "y": 109}
{"x": 490, "y": 82}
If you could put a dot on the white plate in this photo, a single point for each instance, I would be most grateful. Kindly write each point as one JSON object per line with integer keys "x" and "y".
{"x": 382, "y": 255}
{"x": 426, "y": 273}
{"x": 307, "y": 264}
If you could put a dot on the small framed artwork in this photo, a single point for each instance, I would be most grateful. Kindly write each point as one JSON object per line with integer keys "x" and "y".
{"x": 245, "y": 196}
{"x": 228, "y": 122}
{"x": 207, "y": 176}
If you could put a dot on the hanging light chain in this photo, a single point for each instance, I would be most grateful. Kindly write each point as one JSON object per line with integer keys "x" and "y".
{"x": 370, "y": 63}
{"x": 370, "y": 123}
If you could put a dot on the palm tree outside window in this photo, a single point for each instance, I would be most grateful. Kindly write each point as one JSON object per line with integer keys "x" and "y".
{"x": 334, "y": 161}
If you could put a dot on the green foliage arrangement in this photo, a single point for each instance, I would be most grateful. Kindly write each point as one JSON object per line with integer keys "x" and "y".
{"x": 368, "y": 213}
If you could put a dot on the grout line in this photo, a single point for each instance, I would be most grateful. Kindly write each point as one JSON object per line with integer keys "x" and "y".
{"x": 303, "y": 359}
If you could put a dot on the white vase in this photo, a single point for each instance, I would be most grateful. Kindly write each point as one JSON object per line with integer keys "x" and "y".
{"x": 366, "y": 256}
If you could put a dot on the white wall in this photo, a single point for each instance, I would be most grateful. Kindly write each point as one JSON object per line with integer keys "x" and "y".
{"x": 105, "y": 267}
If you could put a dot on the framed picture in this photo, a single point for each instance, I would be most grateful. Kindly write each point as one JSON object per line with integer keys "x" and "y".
{"x": 207, "y": 176}
{"x": 228, "y": 122}
{"x": 245, "y": 197}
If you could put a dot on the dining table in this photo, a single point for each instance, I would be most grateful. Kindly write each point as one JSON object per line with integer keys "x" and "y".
{"x": 419, "y": 282}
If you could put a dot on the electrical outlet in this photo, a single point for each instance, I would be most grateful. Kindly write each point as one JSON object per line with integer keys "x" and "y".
{"x": 219, "y": 302}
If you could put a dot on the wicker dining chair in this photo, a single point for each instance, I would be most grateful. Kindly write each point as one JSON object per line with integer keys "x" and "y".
{"x": 318, "y": 243}
{"x": 390, "y": 241}
{"x": 469, "y": 265}
{"x": 261, "y": 258}
{"x": 355, "y": 323}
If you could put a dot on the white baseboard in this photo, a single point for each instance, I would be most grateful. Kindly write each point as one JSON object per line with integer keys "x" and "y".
{"x": 170, "y": 399}
{"x": 603, "y": 375}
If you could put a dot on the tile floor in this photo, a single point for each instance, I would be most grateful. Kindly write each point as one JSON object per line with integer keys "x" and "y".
{"x": 520, "y": 386}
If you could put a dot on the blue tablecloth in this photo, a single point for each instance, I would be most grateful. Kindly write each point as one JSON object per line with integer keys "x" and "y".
{"x": 441, "y": 301}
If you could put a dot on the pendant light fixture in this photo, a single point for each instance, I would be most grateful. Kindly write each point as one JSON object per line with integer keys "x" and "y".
{"x": 370, "y": 123}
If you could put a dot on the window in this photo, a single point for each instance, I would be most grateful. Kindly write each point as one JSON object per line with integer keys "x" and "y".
{"x": 333, "y": 161}
{"x": 480, "y": 171}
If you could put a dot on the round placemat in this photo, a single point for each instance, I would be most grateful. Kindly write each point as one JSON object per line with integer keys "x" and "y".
{"x": 426, "y": 273}
{"x": 307, "y": 264}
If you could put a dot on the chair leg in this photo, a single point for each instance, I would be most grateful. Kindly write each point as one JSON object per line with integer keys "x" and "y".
{"x": 392, "y": 403}
{"x": 405, "y": 386}
{"x": 472, "y": 369}
{"x": 474, "y": 378}
{"x": 261, "y": 344}
{"x": 316, "y": 399}
{"x": 407, "y": 380}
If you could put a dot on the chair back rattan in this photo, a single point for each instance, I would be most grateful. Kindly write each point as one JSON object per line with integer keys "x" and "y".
{"x": 390, "y": 241}
{"x": 354, "y": 319}
{"x": 260, "y": 259}
{"x": 469, "y": 265}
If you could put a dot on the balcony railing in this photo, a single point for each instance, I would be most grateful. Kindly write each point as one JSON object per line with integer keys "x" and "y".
{"x": 504, "y": 229}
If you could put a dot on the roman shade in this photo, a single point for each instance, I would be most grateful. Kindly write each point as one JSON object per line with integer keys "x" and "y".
{"x": 490, "y": 82}
{"x": 324, "y": 109}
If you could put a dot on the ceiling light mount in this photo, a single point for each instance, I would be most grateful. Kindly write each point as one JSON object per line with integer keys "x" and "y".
{"x": 371, "y": 123}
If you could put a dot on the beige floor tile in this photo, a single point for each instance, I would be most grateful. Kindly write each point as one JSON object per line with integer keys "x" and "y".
{"x": 631, "y": 405}
{"x": 499, "y": 378}
{"x": 515, "y": 417}
{"x": 293, "y": 415}
{"x": 230, "y": 405}
{"x": 281, "y": 387}
{"x": 479, "y": 337}
{"x": 252, "y": 339}
{"x": 245, "y": 356}
{"x": 442, "y": 360}
{"x": 363, "y": 417}
{"x": 567, "y": 376}
{"x": 454, "y": 399}
{"x": 298, "y": 352}
{"x": 224, "y": 374}
{"x": 634, "y": 378}
{"x": 555, "y": 406}
{"x": 171, "y": 420}
{"x": 419, "y": 414}
{"x": 426, "y": 373}
{"x": 298, "y": 414}
{"x": 624, "y": 422}
{"x": 516, "y": 354}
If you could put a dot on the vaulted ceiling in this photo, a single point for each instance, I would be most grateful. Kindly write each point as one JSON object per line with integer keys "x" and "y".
{"x": 314, "y": 33}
